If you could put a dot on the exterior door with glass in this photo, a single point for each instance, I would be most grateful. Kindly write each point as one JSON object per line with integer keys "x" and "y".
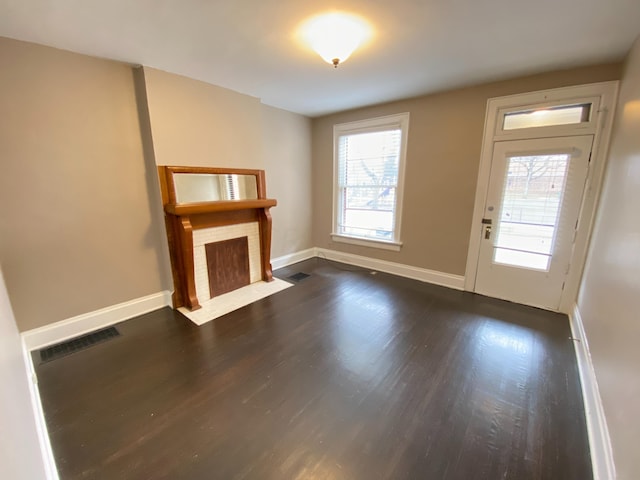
{"x": 532, "y": 207}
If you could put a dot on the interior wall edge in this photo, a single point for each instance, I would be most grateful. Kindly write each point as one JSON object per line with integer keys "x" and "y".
{"x": 598, "y": 432}
{"x": 151, "y": 176}
{"x": 48, "y": 459}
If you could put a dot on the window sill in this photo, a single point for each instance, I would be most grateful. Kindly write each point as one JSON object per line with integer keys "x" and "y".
{"x": 367, "y": 242}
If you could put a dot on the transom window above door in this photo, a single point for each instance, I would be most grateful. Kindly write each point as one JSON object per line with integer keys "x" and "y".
{"x": 550, "y": 118}
{"x": 369, "y": 158}
{"x": 547, "y": 117}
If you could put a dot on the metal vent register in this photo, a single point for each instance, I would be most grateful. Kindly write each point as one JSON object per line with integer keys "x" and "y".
{"x": 76, "y": 344}
{"x": 296, "y": 277}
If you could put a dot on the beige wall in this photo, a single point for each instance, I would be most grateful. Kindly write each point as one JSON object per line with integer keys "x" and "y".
{"x": 85, "y": 228}
{"x": 20, "y": 456}
{"x": 287, "y": 163}
{"x": 76, "y": 232}
{"x": 197, "y": 124}
{"x": 445, "y": 137}
{"x": 609, "y": 300}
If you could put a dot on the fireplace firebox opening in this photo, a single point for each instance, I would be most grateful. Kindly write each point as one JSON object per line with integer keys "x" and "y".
{"x": 227, "y": 265}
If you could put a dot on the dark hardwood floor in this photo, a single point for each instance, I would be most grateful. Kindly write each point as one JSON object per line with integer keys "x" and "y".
{"x": 346, "y": 375}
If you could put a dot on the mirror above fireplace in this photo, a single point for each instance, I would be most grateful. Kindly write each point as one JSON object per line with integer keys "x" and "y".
{"x": 185, "y": 185}
{"x": 210, "y": 187}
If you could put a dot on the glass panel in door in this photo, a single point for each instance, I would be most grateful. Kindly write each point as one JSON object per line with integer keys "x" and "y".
{"x": 532, "y": 195}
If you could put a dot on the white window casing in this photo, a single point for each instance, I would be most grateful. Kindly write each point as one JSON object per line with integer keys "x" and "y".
{"x": 368, "y": 182}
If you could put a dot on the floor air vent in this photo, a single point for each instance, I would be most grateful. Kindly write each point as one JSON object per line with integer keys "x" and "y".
{"x": 296, "y": 277}
{"x": 76, "y": 344}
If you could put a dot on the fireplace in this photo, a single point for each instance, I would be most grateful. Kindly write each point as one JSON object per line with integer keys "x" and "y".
{"x": 219, "y": 244}
{"x": 210, "y": 274}
{"x": 227, "y": 265}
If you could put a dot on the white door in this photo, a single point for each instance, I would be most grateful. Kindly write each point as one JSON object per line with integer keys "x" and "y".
{"x": 530, "y": 215}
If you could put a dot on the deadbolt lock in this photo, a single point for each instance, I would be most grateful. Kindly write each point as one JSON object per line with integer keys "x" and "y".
{"x": 487, "y": 232}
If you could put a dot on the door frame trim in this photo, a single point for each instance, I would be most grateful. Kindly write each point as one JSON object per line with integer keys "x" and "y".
{"x": 606, "y": 93}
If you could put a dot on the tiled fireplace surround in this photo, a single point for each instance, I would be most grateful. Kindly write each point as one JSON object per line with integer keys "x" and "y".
{"x": 216, "y": 234}
{"x": 220, "y": 305}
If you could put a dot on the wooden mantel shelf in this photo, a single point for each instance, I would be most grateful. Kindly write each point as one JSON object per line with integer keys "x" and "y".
{"x": 218, "y": 206}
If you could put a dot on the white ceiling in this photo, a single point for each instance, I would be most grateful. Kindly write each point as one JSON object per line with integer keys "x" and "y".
{"x": 249, "y": 45}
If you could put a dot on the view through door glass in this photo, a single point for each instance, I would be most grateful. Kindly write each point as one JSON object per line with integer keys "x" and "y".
{"x": 531, "y": 199}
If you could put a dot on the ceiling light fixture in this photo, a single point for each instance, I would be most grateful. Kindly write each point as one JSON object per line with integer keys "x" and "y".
{"x": 334, "y": 36}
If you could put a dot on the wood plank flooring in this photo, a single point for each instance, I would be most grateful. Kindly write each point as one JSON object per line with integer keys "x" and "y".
{"x": 347, "y": 375}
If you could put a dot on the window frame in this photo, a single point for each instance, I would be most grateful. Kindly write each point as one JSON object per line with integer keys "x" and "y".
{"x": 378, "y": 124}
{"x": 584, "y": 128}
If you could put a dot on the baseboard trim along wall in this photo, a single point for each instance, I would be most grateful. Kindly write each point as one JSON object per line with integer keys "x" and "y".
{"x": 88, "y": 322}
{"x": 290, "y": 259}
{"x": 408, "y": 271}
{"x": 51, "y": 470}
{"x": 599, "y": 440}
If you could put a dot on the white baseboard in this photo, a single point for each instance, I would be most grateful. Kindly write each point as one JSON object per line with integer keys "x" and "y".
{"x": 292, "y": 258}
{"x": 51, "y": 470}
{"x": 408, "y": 271}
{"x": 599, "y": 440}
{"x": 81, "y": 324}
{"x": 87, "y": 322}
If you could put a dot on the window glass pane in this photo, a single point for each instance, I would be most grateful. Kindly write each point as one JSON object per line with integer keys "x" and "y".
{"x": 369, "y": 223}
{"x": 372, "y": 171}
{"x": 565, "y": 115}
{"x": 368, "y": 178}
{"x": 372, "y": 145}
{"x": 531, "y": 200}
{"x": 369, "y": 198}
{"x": 522, "y": 259}
{"x": 523, "y": 236}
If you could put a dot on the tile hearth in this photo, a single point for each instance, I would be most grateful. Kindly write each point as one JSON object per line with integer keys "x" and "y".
{"x": 223, "y": 304}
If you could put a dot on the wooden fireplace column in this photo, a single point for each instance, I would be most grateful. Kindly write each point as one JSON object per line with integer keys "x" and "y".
{"x": 182, "y": 219}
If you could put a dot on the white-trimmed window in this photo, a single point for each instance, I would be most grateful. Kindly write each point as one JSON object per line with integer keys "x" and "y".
{"x": 369, "y": 158}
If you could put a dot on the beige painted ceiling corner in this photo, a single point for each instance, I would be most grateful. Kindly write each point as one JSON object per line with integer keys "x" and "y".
{"x": 249, "y": 46}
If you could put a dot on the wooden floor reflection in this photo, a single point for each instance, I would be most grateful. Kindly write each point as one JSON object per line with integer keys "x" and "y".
{"x": 347, "y": 375}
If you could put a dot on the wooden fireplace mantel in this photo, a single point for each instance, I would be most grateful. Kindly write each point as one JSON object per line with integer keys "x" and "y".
{"x": 183, "y": 218}
{"x": 220, "y": 206}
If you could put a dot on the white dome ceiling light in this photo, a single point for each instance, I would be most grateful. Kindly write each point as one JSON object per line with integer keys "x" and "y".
{"x": 335, "y": 35}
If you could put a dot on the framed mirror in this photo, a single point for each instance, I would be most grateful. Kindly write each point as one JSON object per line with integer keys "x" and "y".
{"x": 212, "y": 187}
{"x": 195, "y": 185}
